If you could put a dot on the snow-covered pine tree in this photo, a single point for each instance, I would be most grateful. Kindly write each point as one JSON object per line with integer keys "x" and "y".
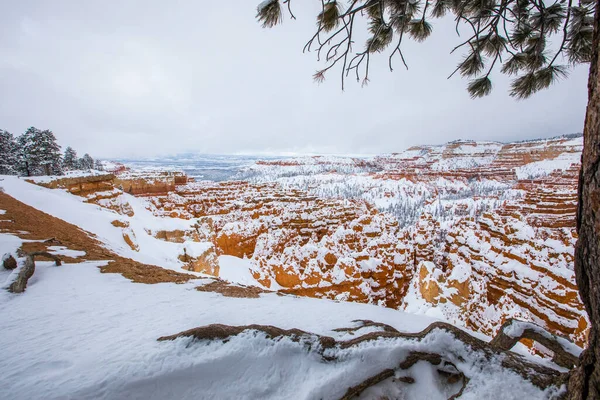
{"x": 86, "y": 162}
{"x": 8, "y": 153}
{"x": 70, "y": 159}
{"x": 46, "y": 152}
{"x": 27, "y": 164}
{"x": 98, "y": 165}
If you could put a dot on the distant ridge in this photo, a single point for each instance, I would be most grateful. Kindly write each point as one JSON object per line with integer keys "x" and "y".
{"x": 565, "y": 136}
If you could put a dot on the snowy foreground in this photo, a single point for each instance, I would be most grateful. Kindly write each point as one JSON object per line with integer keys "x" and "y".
{"x": 79, "y": 334}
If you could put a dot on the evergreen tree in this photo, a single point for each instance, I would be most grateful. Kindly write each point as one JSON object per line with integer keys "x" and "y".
{"x": 39, "y": 154}
{"x": 47, "y": 153}
{"x": 27, "y": 165}
{"x": 86, "y": 162}
{"x": 8, "y": 153}
{"x": 70, "y": 159}
{"x": 99, "y": 166}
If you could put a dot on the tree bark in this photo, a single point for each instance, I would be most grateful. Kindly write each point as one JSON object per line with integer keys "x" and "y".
{"x": 584, "y": 382}
{"x": 20, "y": 282}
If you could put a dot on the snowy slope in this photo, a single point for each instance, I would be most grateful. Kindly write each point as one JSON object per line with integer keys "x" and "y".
{"x": 77, "y": 333}
{"x": 97, "y": 220}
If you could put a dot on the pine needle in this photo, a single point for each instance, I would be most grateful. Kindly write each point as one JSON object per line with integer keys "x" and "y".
{"x": 382, "y": 36}
{"x": 419, "y": 29}
{"x": 329, "y": 17}
{"x": 471, "y": 65}
{"x": 269, "y": 13}
{"x": 549, "y": 75}
{"x": 524, "y": 86}
{"x": 515, "y": 64}
{"x": 480, "y": 87}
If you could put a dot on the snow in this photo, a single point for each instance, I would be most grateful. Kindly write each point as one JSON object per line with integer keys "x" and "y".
{"x": 461, "y": 272}
{"x": 429, "y": 387}
{"x": 8, "y": 246}
{"x": 117, "y": 348}
{"x": 237, "y": 270}
{"x": 9, "y": 243}
{"x": 541, "y": 168}
{"x": 516, "y": 329}
{"x": 111, "y": 165}
{"x": 67, "y": 174}
{"x": 77, "y": 333}
{"x": 2, "y": 212}
{"x": 194, "y": 249}
{"x": 263, "y": 4}
{"x": 63, "y": 251}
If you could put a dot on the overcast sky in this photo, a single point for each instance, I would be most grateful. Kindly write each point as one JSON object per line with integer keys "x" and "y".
{"x": 144, "y": 78}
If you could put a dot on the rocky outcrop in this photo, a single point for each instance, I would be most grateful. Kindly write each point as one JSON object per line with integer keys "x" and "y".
{"x": 130, "y": 239}
{"x": 516, "y": 261}
{"x": 80, "y": 185}
{"x": 465, "y": 159}
{"x": 207, "y": 262}
{"x": 136, "y": 183}
{"x": 300, "y": 243}
{"x": 145, "y": 183}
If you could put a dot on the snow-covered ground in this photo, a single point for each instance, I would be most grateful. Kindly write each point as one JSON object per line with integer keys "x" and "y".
{"x": 76, "y": 333}
{"x": 68, "y": 174}
{"x": 544, "y": 167}
{"x": 79, "y": 334}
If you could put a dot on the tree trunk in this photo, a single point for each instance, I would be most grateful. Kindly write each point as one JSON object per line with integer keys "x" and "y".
{"x": 584, "y": 382}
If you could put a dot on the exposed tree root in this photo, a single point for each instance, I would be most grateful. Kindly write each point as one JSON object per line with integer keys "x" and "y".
{"x": 413, "y": 357}
{"x": 504, "y": 341}
{"x": 367, "y": 383}
{"x": 364, "y": 323}
{"x": 20, "y": 282}
{"x": 224, "y": 332}
{"x": 540, "y": 376}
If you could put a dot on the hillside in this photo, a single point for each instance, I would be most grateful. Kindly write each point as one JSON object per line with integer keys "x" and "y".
{"x": 469, "y": 233}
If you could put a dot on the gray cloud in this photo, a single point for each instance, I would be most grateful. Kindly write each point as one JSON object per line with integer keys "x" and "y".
{"x": 144, "y": 78}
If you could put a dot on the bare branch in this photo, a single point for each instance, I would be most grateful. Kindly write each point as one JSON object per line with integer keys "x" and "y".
{"x": 289, "y": 2}
{"x": 527, "y": 27}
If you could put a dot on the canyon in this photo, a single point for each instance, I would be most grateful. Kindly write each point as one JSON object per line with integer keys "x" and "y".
{"x": 469, "y": 232}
